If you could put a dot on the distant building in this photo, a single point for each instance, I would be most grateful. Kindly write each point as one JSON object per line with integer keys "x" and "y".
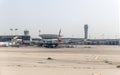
{"x": 102, "y": 42}
{"x": 49, "y": 36}
{"x": 8, "y": 38}
{"x": 80, "y": 41}
{"x": 37, "y": 41}
{"x": 26, "y": 32}
{"x": 73, "y": 41}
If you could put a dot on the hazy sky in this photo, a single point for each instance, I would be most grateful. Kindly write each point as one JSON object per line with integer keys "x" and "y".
{"x": 49, "y": 16}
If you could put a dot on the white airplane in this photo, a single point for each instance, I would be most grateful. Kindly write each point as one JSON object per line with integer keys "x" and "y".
{"x": 16, "y": 42}
{"x": 4, "y": 44}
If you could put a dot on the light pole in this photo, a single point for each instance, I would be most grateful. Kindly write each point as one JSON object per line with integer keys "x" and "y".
{"x": 39, "y": 32}
{"x": 16, "y": 31}
{"x": 11, "y": 31}
{"x": 102, "y": 36}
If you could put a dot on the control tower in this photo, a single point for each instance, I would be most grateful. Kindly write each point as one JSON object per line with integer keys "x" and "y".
{"x": 26, "y": 32}
{"x": 86, "y": 31}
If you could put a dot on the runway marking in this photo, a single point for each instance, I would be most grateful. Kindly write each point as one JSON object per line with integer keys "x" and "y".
{"x": 97, "y": 57}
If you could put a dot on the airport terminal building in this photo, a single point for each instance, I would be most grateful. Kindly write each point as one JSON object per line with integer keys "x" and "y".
{"x": 103, "y": 41}
{"x": 82, "y": 41}
{"x": 26, "y": 39}
{"x": 8, "y": 38}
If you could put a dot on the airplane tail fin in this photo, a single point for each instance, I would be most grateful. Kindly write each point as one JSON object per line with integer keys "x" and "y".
{"x": 59, "y": 32}
{"x": 59, "y": 39}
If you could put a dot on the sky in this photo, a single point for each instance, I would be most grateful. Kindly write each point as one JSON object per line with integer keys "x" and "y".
{"x": 49, "y": 16}
{"x": 119, "y": 17}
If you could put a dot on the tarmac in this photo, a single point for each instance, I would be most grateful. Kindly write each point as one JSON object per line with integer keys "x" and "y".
{"x": 81, "y": 60}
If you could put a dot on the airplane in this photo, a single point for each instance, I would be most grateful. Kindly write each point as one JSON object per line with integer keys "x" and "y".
{"x": 51, "y": 40}
{"x": 15, "y": 42}
{"x": 4, "y": 44}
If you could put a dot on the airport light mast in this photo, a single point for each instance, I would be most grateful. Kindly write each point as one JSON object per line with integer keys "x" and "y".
{"x": 39, "y": 32}
{"x": 16, "y": 31}
{"x": 11, "y": 31}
